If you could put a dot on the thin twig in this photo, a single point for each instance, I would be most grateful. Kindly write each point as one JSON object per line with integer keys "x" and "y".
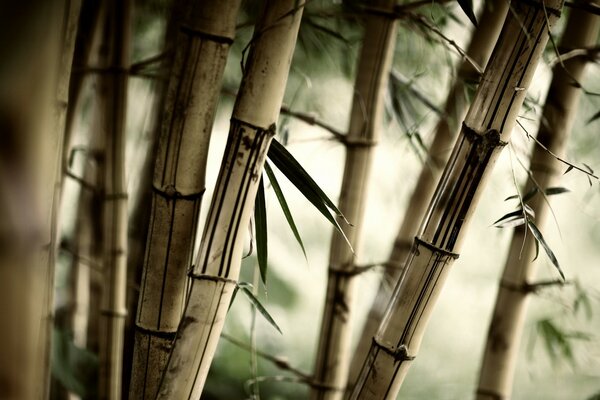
{"x": 589, "y": 7}
{"x": 423, "y": 21}
{"x": 589, "y": 53}
{"x": 278, "y": 362}
{"x": 591, "y": 174}
{"x": 311, "y": 119}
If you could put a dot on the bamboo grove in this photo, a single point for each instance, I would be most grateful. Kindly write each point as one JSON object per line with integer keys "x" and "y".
{"x": 149, "y": 150}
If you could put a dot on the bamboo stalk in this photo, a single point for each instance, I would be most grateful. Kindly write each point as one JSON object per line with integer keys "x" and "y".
{"x": 140, "y": 214}
{"x": 179, "y": 184}
{"x": 486, "y": 129}
{"x": 113, "y": 306}
{"x": 506, "y": 328}
{"x": 217, "y": 267}
{"x": 479, "y": 50}
{"x": 32, "y": 103}
{"x": 333, "y": 354}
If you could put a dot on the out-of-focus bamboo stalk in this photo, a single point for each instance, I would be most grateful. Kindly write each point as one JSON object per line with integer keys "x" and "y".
{"x": 333, "y": 355}
{"x": 113, "y": 82}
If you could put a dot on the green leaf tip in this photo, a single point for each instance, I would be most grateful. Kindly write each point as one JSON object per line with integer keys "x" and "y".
{"x": 246, "y": 288}
{"x": 260, "y": 219}
{"x": 284, "y": 206}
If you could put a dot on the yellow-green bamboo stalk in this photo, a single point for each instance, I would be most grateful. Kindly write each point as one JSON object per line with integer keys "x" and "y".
{"x": 179, "y": 183}
{"x": 333, "y": 355}
{"x": 217, "y": 266}
{"x": 113, "y": 83}
{"x": 506, "y": 328}
{"x": 486, "y": 129}
{"x": 479, "y": 50}
{"x": 32, "y": 106}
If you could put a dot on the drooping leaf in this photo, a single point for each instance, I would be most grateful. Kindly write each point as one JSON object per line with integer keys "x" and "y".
{"x": 467, "y": 7}
{"x": 511, "y": 219}
{"x": 298, "y": 176}
{"x": 529, "y": 211}
{"x": 246, "y": 288}
{"x": 284, "y": 206}
{"x": 568, "y": 170}
{"x": 540, "y": 239}
{"x": 532, "y": 192}
{"x": 260, "y": 226}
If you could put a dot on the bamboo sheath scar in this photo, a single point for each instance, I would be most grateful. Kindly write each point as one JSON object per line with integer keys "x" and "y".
{"x": 506, "y": 328}
{"x": 217, "y": 266}
{"x": 333, "y": 355}
{"x": 479, "y": 50}
{"x": 486, "y": 129}
{"x": 201, "y": 50}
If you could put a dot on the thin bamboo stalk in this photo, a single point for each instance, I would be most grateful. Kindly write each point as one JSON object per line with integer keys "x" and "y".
{"x": 479, "y": 50}
{"x": 506, "y": 328}
{"x": 179, "y": 184}
{"x": 486, "y": 129}
{"x": 217, "y": 268}
{"x": 333, "y": 354}
{"x": 113, "y": 306}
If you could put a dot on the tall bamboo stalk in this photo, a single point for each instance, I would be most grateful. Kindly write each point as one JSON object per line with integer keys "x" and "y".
{"x": 113, "y": 307}
{"x": 217, "y": 266}
{"x": 179, "y": 183}
{"x": 32, "y": 106}
{"x": 486, "y": 129}
{"x": 479, "y": 50}
{"x": 333, "y": 355}
{"x": 140, "y": 204}
{"x": 506, "y": 328}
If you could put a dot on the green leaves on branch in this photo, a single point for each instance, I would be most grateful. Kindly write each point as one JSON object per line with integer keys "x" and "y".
{"x": 557, "y": 341}
{"x": 297, "y": 175}
{"x": 531, "y": 194}
{"x": 525, "y": 216}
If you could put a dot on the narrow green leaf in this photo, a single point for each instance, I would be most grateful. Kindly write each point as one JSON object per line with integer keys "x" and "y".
{"x": 298, "y": 176}
{"x": 260, "y": 226}
{"x": 284, "y": 205}
{"x": 556, "y": 190}
{"x": 291, "y": 168}
{"x": 467, "y": 7}
{"x": 246, "y": 288}
{"x": 510, "y": 219}
{"x": 528, "y": 196}
{"x": 568, "y": 170}
{"x": 540, "y": 239}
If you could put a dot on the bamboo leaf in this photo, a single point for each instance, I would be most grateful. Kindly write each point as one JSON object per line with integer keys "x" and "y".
{"x": 529, "y": 211}
{"x": 540, "y": 239}
{"x": 246, "y": 288}
{"x": 556, "y": 190}
{"x": 467, "y": 7}
{"x": 284, "y": 206}
{"x": 568, "y": 170}
{"x": 298, "y": 176}
{"x": 260, "y": 226}
{"x": 512, "y": 219}
{"x": 593, "y": 118}
{"x": 528, "y": 196}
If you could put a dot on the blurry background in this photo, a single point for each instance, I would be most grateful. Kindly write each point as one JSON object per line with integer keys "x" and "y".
{"x": 561, "y": 366}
